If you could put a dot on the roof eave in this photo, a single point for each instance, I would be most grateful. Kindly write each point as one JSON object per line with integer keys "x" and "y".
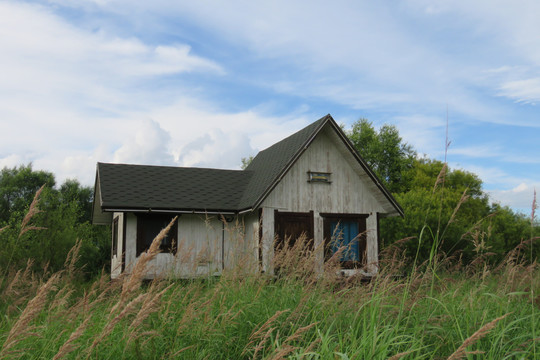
{"x": 95, "y": 194}
{"x": 117, "y": 208}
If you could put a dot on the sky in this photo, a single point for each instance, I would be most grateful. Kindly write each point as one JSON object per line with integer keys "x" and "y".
{"x": 205, "y": 83}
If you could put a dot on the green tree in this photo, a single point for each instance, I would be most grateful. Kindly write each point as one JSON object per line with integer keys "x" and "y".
{"x": 64, "y": 218}
{"x": 246, "y": 161}
{"x": 508, "y": 229}
{"x": 450, "y": 206}
{"x": 446, "y": 210}
{"x": 71, "y": 191}
{"x": 17, "y": 188}
{"x": 385, "y": 152}
{"x": 455, "y": 214}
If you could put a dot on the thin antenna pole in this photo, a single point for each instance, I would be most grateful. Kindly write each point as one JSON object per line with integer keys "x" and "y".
{"x": 446, "y": 143}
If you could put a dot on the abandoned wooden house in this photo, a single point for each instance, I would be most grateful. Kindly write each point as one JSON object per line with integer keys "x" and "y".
{"x": 312, "y": 182}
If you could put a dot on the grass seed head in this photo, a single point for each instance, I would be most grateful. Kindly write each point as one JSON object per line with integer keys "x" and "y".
{"x": 460, "y": 353}
{"x": 22, "y": 327}
{"x": 32, "y": 211}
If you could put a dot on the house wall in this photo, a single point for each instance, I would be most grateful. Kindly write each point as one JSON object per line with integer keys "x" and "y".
{"x": 206, "y": 246}
{"x": 349, "y": 192}
{"x": 116, "y": 260}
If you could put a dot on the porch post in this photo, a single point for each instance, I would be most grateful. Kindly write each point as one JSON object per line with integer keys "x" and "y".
{"x": 267, "y": 241}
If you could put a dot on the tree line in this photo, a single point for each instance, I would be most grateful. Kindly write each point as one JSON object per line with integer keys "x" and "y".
{"x": 61, "y": 217}
{"x": 446, "y": 211}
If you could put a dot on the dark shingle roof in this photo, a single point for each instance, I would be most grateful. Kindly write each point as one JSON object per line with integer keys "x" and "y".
{"x": 163, "y": 187}
{"x": 144, "y": 187}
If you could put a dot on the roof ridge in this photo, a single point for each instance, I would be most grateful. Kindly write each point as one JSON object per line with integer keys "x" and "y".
{"x": 170, "y": 166}
{"x": 297, "y": 132}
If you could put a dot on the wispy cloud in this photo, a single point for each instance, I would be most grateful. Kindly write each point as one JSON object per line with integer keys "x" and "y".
{"x": 477, "y": 151}
{"x": 74, "y": 97}
{"x": 425, "y": 133}
{"x": 525, "y": 91}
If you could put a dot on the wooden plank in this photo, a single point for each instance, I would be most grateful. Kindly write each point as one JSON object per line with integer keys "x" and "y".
{"x": 348, "y": 192}
{"x": 351, "y": 191}
{"x": 267, "y": 238}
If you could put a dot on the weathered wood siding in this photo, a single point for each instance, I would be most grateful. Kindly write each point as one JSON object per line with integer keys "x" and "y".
{"x": 350, "y": 192}
{"x": 206, "y": 246}
{"x": 241, "y": 246}
{"x": 116, "y": 260}
{"x": 347, "y": 193}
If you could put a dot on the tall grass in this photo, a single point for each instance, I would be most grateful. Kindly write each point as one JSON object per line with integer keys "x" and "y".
{"x": 491, "y": 313}
{"x": 465, "y": 311}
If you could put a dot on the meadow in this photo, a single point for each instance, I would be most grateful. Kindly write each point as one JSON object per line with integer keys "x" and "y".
{"x": 436, "y": 310}
{"x": 434, "y": 307}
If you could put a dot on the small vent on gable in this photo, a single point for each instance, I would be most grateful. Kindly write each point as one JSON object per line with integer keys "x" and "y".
{"x": 319, "y": 177}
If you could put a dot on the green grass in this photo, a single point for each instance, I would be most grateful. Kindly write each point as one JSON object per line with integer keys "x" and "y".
{"x": 244, "y": 317}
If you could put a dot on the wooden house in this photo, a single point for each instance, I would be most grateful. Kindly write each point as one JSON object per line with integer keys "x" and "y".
{"x": 312, "y": 182}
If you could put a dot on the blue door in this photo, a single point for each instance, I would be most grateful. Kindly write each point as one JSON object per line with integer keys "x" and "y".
{"x": 345, "y": 234}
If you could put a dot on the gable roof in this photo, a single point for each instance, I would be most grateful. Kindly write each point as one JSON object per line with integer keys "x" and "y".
{"x": 271, "y": 164}
{"x": 122, "y": 187}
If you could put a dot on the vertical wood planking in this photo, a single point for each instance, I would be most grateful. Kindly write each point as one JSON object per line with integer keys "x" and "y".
{"x": 372, "y": 248}
{"x": 350, "y": 191}
{"x": 267, "y": 238}
{"x": 318, "y": 233}
{"x": 131, "y": 237}
{"x": 204, "y": 246}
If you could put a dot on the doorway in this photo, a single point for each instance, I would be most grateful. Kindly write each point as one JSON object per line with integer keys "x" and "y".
{"x": 289, "y": 226}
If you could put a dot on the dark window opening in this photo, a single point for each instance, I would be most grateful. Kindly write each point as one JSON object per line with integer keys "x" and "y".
{"x": 290, "y": 226}
{"x": 115, "y": 237}
{"x": 149, "y": 226}
{"x": 346, "y": 233}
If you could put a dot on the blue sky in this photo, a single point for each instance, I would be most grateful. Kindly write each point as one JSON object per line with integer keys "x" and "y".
{"x": 205, "y": 83}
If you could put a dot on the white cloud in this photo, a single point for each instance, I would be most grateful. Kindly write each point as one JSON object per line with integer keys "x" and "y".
{"x": 477, "y": 151}
{"x": 503, "y": 188}
{"x": 12, "y": 160}
{"x": 511, "y": 29}
{"x": 493, "y": 151}
{"x": 492, "y": 176}
{"x": 425, "y": 133}
{"x": 187, "y": 119}
{"x": 68, "y": 94}
{"x": 149, "y": 144}
{"x": 361, "y": 54}
{"x": 363, "y": 43}
{"x": 51, "y": 60}
{"x": 80, "y": 89}
{"x": 520, "y": 197}
{"x": 525, "y": 91}
{"x": 216, "y": 149}
{"x": 35, "y": 36}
